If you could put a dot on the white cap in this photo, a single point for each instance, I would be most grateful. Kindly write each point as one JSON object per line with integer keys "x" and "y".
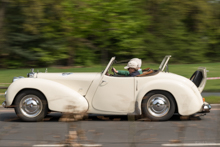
{"x": 139, "y": 62}
{"x": 131, "y": 64}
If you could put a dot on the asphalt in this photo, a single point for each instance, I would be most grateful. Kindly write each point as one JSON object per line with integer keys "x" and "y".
{"x": 108, "y": 131}
{"x": 215, "y": 105}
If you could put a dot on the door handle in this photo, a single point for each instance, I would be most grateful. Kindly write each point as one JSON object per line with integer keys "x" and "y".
{"x": 103, "y": 83}
{"x": 136, "y": 85}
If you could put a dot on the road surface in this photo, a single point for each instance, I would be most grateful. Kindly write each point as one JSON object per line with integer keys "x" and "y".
{"x": 109, "y": 131}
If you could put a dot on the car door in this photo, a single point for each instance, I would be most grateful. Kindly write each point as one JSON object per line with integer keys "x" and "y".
{"x": 115, "y": 94}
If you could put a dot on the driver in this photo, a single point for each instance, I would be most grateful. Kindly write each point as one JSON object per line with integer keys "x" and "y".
{"x": 126, "y": 73}
{"x": 132, "y": 68}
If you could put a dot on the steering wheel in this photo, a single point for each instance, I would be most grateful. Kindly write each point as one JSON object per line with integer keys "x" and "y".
{"x": 114, "y": 73}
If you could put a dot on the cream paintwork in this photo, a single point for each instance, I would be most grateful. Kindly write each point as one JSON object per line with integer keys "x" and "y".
{"x": 59, "y": 96}
{"x": 79, "y": 82}
{"x": 187, "y": 96}
{"x": 114, "y": 96}
{"x": 101, "y": 94}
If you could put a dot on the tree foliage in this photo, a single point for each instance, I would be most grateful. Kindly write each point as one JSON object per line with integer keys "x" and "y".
{"x": 84, "y": 32}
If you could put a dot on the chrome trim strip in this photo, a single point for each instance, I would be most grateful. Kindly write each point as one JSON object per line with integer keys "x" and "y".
{"x": 5, "y": 105}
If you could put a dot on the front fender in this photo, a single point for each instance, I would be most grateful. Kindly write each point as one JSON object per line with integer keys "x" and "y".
{"x": 188, "y": 99}
{"x": 59, "y": 97}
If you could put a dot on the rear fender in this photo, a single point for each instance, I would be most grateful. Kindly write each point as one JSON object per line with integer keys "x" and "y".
{"x": 59, "y": 97}
{"x": 188, "y": 101}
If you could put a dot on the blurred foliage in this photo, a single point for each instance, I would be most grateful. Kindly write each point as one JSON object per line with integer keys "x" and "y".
{"x": 85, "y": 32}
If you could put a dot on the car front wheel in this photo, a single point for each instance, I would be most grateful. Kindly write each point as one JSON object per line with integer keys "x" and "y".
{"x": 158, "y": 105}
{"x": 31, "y": 105}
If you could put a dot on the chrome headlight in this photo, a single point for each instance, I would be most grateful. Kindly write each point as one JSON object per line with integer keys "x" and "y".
{"x": 31, "y": 74}
{"x": 17, "y": 78}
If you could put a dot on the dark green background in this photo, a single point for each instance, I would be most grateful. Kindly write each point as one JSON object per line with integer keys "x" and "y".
{"x": 42, "y": 33}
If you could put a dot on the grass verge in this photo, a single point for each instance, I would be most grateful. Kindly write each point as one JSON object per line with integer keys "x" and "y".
{"x": 212, "y": 99}
{"x": 2, "y": 99}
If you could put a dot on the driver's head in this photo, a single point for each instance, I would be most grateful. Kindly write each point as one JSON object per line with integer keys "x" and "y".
{"x": 139, "y": 61}
{"x": 132, "y": 66}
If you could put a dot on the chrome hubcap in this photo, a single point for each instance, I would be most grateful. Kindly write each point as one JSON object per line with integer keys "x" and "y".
{"x": 158, "y": 105}
{"x": 31, "y": 105}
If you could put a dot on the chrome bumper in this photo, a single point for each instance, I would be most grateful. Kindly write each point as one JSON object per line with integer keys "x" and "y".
{"x": 4, "y": 104}
{"x": 206, "y": 108}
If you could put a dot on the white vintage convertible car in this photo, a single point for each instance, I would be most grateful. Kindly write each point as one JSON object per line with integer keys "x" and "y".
{"x": 156, "y": 95}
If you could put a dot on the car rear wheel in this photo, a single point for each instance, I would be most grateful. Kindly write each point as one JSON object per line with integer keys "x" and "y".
{"x": 31, "y": 105}
{"x": 158, "y": 105}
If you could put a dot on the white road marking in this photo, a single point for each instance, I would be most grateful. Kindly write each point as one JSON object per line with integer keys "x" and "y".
{"x": 61, "y": 145}
{"x": 46, "y": 145}
{"x": 192, "y": 144}
{"x": 215, "y": 109}
{"x": 6, "y": 111}
{"x": 92, "y": 145}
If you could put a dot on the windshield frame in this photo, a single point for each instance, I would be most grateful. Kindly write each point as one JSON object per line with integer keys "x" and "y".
{"x": 109, "y": 65}
{"x": 164, "y": 62}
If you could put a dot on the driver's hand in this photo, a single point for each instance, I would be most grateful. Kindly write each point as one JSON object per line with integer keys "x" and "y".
{"x": 107, "y": 74}
{"x": 114, "y": 70}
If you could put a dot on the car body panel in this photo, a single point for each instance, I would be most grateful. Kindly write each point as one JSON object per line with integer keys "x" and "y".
{"x": 59, "y": 96}
{"x": 187, "y": 100}
{"x": 79, "y": 82}
{"x": 114, "y": 94}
